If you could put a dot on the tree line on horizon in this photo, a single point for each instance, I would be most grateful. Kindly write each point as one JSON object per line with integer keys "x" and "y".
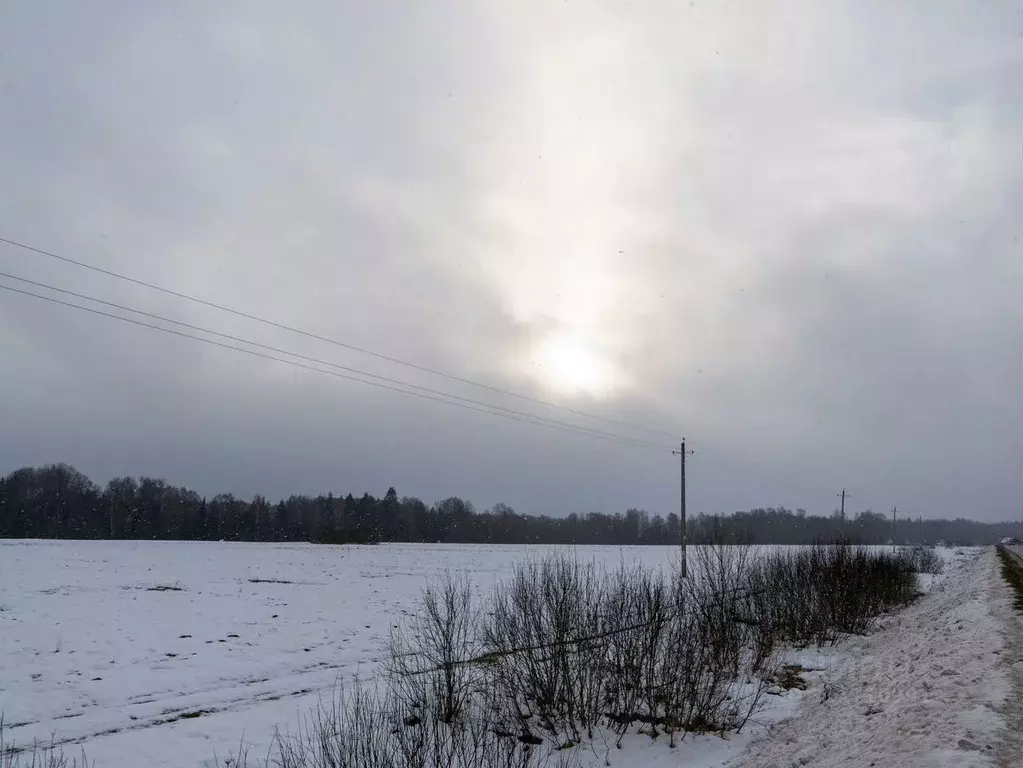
{"x": 59, "y": 502}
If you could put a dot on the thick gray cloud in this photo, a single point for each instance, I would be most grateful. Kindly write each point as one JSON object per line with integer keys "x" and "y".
{"x": 788, "y": 231}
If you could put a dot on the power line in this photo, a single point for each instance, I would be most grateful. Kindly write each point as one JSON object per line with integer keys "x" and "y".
{"x": 486, "y": 408}
{"x": 335, "y": 342}
{"x": 399, "y": 386}
{"x": 758, "y": 468}
{"x": 764, "y": 472}
{"x": 325, "y": 362}
{"x": 722, "y": 457}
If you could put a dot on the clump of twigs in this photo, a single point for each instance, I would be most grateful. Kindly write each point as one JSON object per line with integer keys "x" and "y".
{"x": 563, "y": 653}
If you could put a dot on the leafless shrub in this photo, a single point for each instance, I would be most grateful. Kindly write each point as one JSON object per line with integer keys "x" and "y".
{"x": 573, "y": 649}
{"x": 717, "y": 589}
{"x": 44, "y": 755}
{"x": 812, "y": 596}
{"x": 539, "y": 640}
{"x": 350, "y": 730}
{"x": 360, "y": 728}
{"x": 639, "y": 607}
{"x": 727, "y": 658}
{"x": 426, "y": 664}
{"x": 693, "y": 686}
{"x": 925, "y": 560}
{"x": 565, "y": 653}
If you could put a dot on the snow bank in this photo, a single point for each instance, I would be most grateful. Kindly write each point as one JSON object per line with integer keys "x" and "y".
{"x": 925, "y": 690}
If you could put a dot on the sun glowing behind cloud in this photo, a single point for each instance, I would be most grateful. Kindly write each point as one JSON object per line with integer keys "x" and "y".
{"x": 562, "y": 178}
{"x": 566, "y": 365}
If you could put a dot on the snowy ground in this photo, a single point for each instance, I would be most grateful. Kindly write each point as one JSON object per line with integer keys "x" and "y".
{"x": 165, "y": 651}
{"x": 931, "y": 688}
{"x": 1011, "y": 753}
{"x": 121, "y": 644}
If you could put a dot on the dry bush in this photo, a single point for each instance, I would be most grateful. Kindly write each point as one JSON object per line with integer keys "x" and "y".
{"x": 925, "y": 560}
{"x": 545, "y": 667}
{"x": 426, "y": 662}
{"x": 563, "y": 652}
{"x": 44, "y": 755}
{"x": 361, "y": 728}
{"x": 814, "y": 595}
{"x": 730, "y": 659}
{"x": 573, "y": 649}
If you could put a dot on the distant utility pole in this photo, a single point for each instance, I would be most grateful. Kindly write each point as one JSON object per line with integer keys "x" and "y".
{"x": 682, "y": 503}
{"x": 920, "y": 524}
{"x": 895, "y": 511}
{"x": 843, "y": 497}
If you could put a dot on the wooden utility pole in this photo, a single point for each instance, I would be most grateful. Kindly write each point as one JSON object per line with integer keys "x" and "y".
{"x": 682, "y": 503}
{"x": 842, "y": 496}
{"x": 895, "y": 511}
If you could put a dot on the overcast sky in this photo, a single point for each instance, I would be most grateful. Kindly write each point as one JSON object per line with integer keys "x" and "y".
{"x": 789, "y": 231}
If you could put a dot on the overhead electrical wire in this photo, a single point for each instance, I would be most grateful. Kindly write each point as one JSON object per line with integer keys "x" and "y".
{"x": 393, "y": 385}
{"x": 335, "y": 342}
{"x": 757, "y": 468}
{"x": 423, "y": 392}
{"x": 318, "y": 361}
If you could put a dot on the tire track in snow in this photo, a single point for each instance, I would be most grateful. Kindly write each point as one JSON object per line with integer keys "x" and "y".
{"x": 166, "y": 717}
{"x": 165, "y": 707}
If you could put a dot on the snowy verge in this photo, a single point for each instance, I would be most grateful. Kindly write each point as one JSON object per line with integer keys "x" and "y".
{"x": 1011, "y": 750}
{"x": 927, "y": 689}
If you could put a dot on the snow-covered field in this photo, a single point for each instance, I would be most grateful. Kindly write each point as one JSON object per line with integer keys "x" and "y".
{"x": 159, "y": 653}
{"x": 123, "y": 643}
